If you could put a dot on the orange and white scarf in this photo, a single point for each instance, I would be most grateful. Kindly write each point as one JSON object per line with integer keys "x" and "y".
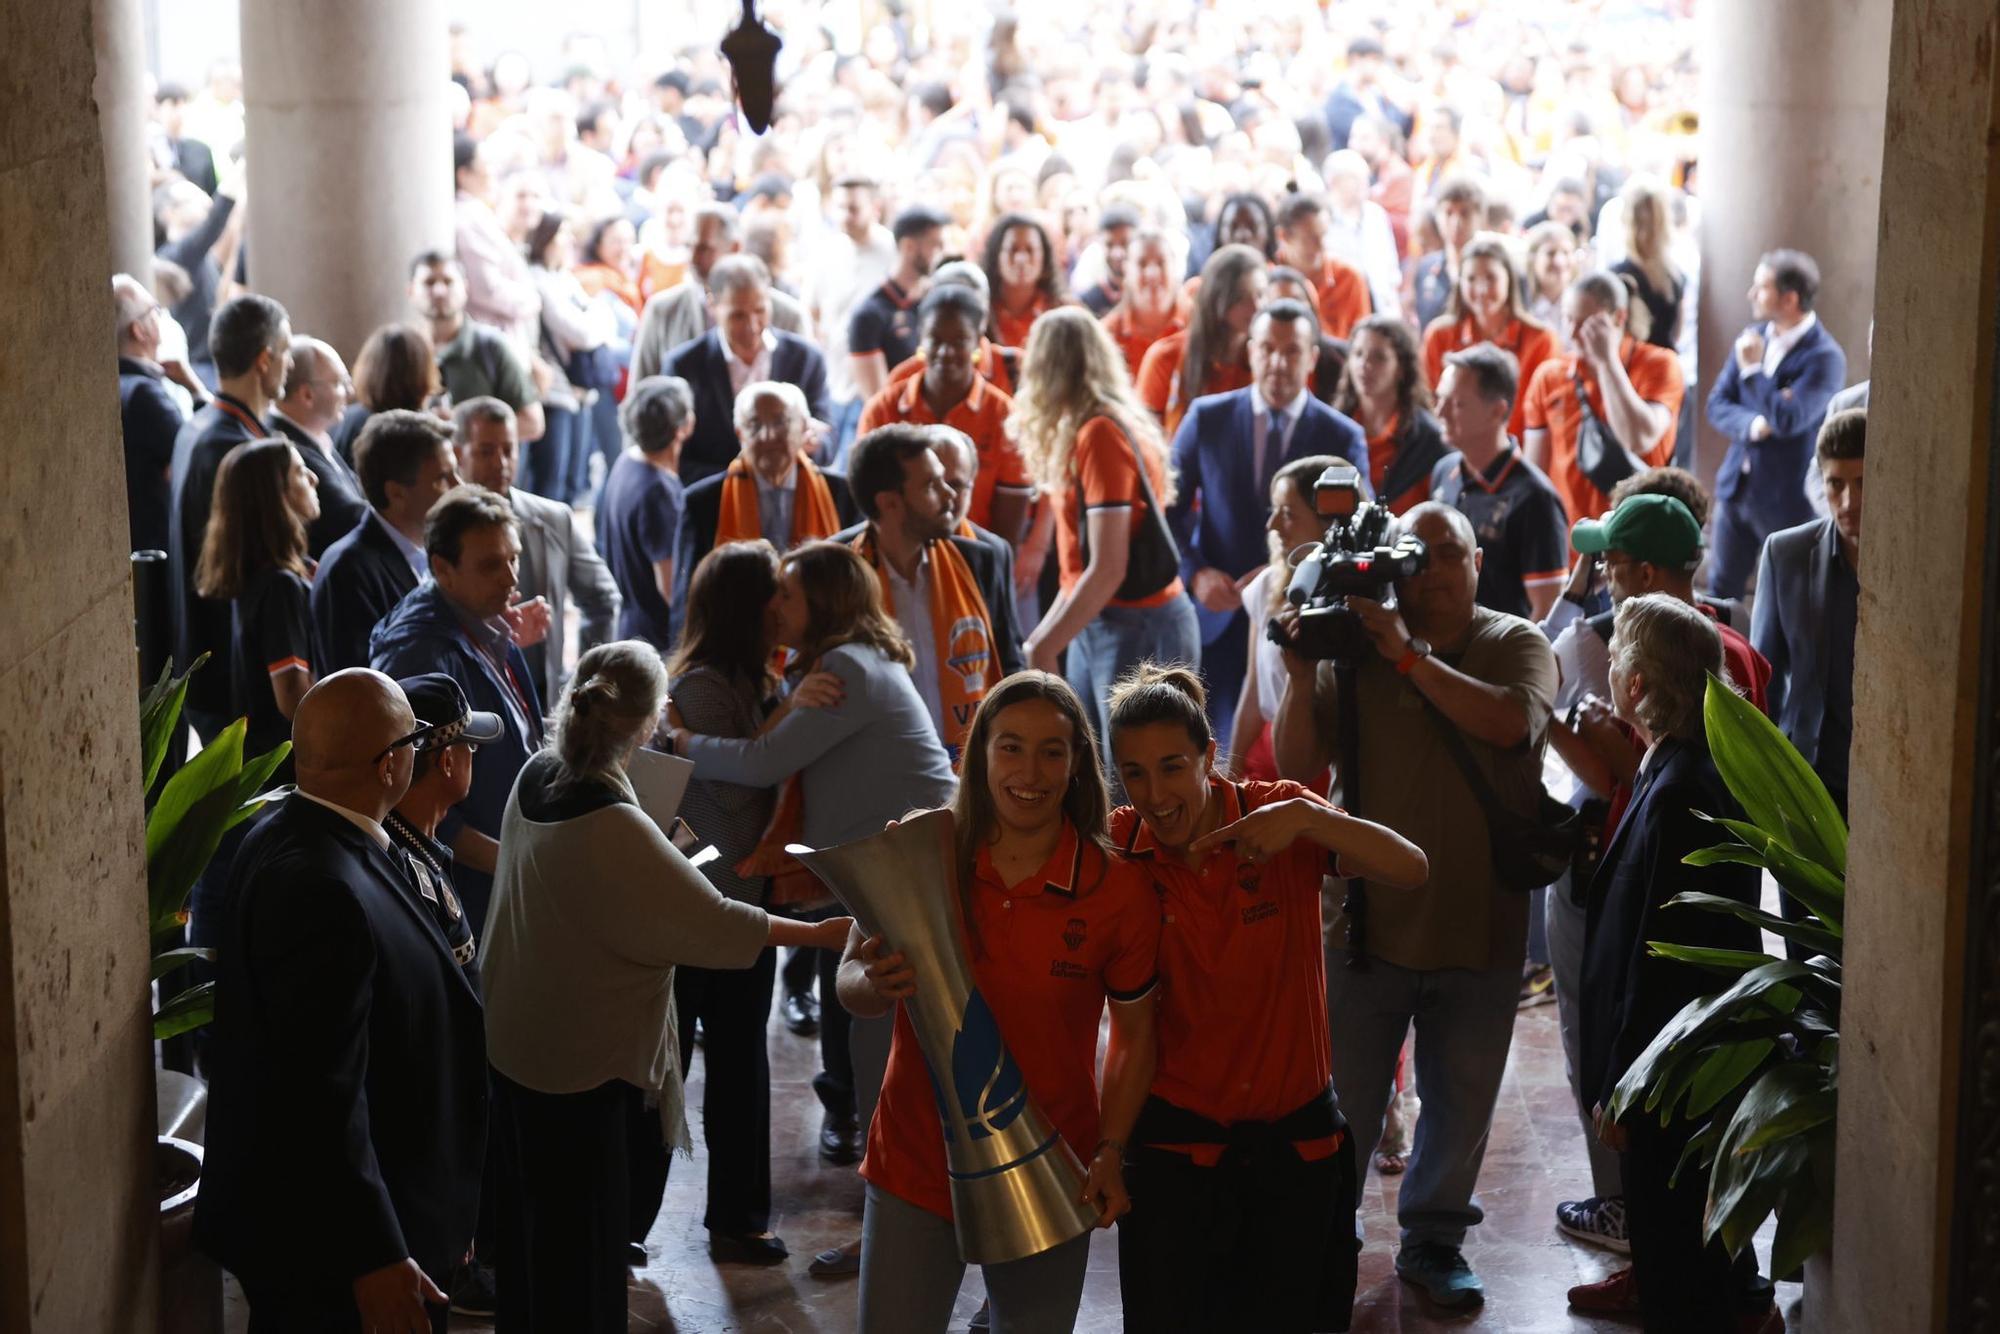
{"x": 961, "y": 630}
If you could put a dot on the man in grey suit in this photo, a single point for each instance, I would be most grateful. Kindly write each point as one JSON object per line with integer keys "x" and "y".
{"x": 681, "y": 313}
{"x": 558, "y": 560}
{"x": 1808, "y": 591}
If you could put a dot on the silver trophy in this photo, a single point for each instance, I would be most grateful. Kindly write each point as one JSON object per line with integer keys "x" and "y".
{"x": 1015, "y": 1185}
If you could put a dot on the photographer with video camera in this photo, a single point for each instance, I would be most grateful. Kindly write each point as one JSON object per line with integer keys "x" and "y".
{"x": 1446, "y": 709}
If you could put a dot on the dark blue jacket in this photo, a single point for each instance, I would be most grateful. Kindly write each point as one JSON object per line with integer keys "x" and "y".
{"x": 1220, "y": 508}
{"x": 424, "y": 634}
{"x": 1793, "y": 400}
{"x": 1788, "y": 625}
{"x": 341, "y": 503}
{"x": 151, "y": 419}
{"x": 361, "y": 578}
{"x": 201, "y": 625}
{"x": 702, "y": 364}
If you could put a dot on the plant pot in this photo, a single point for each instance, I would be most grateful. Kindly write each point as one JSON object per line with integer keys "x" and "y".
{"x": 190, "y": 1282}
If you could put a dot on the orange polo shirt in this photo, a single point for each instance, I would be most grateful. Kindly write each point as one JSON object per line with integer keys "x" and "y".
{"x": 1549, "y": 404}
{"x": 1531, "y": 345}
{"x": 1381, "y": 457}
{"x": 1013, "y": 328}
{"x": 1104, "y": 474}
{"x": 1047, "y": 953}
{"x": 1344, "y": 300}
{"x": 981, "y": 414}
{"x": 992, "y": 367}
{"x": 1242, "y": 1002}
{"x": 1159, "y": 383}
{"x": 1118, "y": 323}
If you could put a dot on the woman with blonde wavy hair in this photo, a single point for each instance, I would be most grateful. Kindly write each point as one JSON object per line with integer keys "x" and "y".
{"x": 1648, "y": 267}
{"x": 1096, "y": 452}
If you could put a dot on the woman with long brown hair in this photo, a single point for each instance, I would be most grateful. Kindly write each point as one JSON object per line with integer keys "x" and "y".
{"x": 1025, "y": 275}
{"x": 1382, "y": 388}
{"x": 1036, "y": 881}
{"x": 1212, "y": 356}
{"x": 1097, "y": 454}
{"x": 397, "y": 368}
{"x": 1488, "y": 305}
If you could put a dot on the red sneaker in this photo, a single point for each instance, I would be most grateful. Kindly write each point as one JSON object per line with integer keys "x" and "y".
{"x": 1617, "y": 1295}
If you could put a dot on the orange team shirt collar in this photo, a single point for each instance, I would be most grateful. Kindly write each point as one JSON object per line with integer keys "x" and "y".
{"x": 1061, "y": 874}
{"x": 913, "y": 399}
{"x": 1468, "y": 333}
{"x": 1141, "y": 842}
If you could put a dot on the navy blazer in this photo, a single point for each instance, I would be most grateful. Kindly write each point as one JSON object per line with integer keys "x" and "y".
{"x": 1627, "y": 995}
{"x": 151, "y": 420}
{"x": 1793, "y": 400}
{"x": 201, "y": 625}
{"x": 1788, "y": 625}
{"x": 1220, "y": 509}
{"x": 341, "y": 503}
{"x": 360, "y": 580}
{"x": 697, "y": 535}
{"x": 702, "y": 364}
{"x": 347, "y": 1108}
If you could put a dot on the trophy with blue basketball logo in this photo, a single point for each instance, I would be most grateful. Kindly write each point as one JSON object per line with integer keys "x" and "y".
{"x": 1015, "y": 1185}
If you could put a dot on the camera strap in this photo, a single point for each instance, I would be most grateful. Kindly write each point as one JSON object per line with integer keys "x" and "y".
{"x": 1461, "y": 755}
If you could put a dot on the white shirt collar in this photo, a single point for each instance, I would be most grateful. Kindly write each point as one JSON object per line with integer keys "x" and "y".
{"x": 1292, "y": 411}
{"x": 1783, "y": 343}
{"x": 412, "y": 553}
{"x": 764, "y": 350}
{"x": 318, "y": 438}
{"x": 372, "y": 828}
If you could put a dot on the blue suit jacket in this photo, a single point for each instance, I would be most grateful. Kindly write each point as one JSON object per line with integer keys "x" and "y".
{"x": 702, "y": 364}
{"x": 1219, "y": 513}
{"x": 360, "y": 580}
{"x": 1788, "y": 625}
{"x": 1793, "y": 400}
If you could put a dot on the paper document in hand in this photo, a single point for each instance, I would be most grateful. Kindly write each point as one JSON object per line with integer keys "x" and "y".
{"x": 660, "y": 782}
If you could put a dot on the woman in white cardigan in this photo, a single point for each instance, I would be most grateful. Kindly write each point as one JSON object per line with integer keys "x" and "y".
{"x": 592, "y": 909}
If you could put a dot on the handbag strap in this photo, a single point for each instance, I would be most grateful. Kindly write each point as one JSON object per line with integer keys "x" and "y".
{"x": 1145, "y": 490}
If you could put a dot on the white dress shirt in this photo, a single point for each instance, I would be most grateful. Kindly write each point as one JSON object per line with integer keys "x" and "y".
{"x": 912, "y": 600}
{"x": 1776, "y": 345}
{"x": 372, "y": 828}
{"x": 743, "y": 373}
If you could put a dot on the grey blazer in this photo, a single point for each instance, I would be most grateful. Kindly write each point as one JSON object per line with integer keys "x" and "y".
{"x": 559, "y": 562}
{"x": 1788, "y": 626}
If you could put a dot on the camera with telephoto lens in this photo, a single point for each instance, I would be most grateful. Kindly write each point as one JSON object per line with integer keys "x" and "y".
{"x": 1355, "y": 558}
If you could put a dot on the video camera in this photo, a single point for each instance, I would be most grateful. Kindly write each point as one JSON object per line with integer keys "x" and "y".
{"x": 1354, "y": 559}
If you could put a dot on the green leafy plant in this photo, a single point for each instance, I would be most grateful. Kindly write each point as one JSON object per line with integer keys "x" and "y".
{"x": 1758, "y": 1063}
{"x": 186, "y": 817}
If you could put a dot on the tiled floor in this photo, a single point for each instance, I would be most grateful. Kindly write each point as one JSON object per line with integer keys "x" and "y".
{"x": 1534, "y": 1159}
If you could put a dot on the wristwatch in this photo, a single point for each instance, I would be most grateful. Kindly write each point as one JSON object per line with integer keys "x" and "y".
{"x": 1418, "y": 650}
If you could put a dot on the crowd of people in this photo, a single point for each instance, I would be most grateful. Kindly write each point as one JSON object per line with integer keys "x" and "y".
{"x": 953, "y": 446}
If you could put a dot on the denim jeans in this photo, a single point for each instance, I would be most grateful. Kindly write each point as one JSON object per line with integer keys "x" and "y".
{"x": 911, "y": 1271}
{"x": 1565, "y": 923}
{"x": 1123, "y": 637}
{"x": 1465, "y": 1023}
{"x": 545, "y": 463}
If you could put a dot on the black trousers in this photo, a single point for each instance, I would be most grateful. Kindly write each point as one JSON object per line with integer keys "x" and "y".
{"x": 1205, "y": 1252}
{"x": 281, "y": 1311}
{"x": 1685, "y": 1285}
{"x": 734, "y": 1007}
{"x": 564, "y": 1207}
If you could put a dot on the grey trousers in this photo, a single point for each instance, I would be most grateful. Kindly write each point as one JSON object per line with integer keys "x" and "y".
{"x": 911, "y": 1271}
{"x": 1566, "y": 924}
{"x": 868, "y": 1049}
{"x": 1464, "y": 1022}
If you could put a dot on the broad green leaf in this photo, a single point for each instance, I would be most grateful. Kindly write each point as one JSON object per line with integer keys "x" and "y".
{"x": 218, "y": 764}
{"x": 159, "y": 714}
{"x": 1763, "y": 990}
{"x": 1819, "y": 889}
{"x": 1811, "y": 1110}
{"x": 1769, "y": 778}
{"x": 185, "y": 1012}
{"x": 168, "y": 961}
{"x": 1805, "y": 1218}
{"x": 1702, "y": 956}
{"x": 1699, "y": 1151}
{"x": 1818, "y": 939}
{"x": 1724, "y": 1072}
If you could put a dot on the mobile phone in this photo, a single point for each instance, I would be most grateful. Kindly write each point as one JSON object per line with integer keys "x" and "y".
{"x": 682, "y": 837}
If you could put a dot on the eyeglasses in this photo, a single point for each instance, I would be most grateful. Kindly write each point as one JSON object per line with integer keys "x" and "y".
{"x": 411, "y": 740}
{"x": 1605, "y": 564}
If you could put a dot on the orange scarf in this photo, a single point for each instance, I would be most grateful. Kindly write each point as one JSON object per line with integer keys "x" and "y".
{"x": 961, "y": 629}
{"x": 814, "y": 514}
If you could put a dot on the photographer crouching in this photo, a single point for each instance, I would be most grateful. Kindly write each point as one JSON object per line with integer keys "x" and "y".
{"x": 1449, "y": 698}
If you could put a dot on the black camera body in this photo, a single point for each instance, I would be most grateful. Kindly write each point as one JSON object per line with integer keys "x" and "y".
{"x": 1355, "y": 558}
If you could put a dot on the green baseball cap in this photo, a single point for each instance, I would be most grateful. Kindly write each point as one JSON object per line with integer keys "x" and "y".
{"x": 1659, "y": 530}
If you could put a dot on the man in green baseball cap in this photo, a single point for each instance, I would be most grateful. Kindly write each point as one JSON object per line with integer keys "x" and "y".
{"x": 1649, "y": 544}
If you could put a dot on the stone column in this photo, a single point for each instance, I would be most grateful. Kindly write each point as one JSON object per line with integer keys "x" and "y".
{"x": 1919, "y": 1031}
{"x": 1792, "y": 102}
{"x": 79, "y": 1218}
{"x": 349, "y": 156}
{"x": 118, "y": 34}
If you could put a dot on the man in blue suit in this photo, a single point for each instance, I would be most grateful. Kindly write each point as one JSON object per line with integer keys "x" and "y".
{"x": 1228, "y": 449}
{"x": 742, "y": 349}
{"x": 1770, "y": 400}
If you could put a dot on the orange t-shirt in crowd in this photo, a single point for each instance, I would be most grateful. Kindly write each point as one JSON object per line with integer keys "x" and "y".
{"x": 1381, "y": 457}
{"x": 991, "y": 365}
{"x": 1550, "y": 405}
{"x": 1344, "y": 300}
{"x": 1159, "y": 384}
{"x": 1104, "y": 474}
{"x": 1242, "y": 1007}
{"x": 596, "y": 278}
{"x": 1047, "y": 954}
{"x": 1530, "y": 343}
{"x": 982, "y": 414}
{"x": 1013, "y": 328}
{"x": 1118, "y": 323}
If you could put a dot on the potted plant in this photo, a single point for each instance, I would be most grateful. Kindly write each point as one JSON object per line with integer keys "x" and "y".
{"x": 187, "y": 816}
{"x": 1758, "y": 1063}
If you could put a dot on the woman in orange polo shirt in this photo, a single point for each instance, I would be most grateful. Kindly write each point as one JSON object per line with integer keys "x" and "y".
{"x": 1101, "y": 462}
{"x": 1057, "y": 928}
{"x": 1149, "y": 309}
{"x": 1213, "y": 355}
{"x": 1383, "y": 389}
{"x": 1487, "y": 306}
{"x": 1241, "y": 1173}
{"x": 1024, "y": 275}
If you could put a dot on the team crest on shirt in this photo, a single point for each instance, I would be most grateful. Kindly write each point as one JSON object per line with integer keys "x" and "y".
{"x": 1073, "y": 934}
{"x": 969, "y": 652}
{"x": 1249, "y": 878}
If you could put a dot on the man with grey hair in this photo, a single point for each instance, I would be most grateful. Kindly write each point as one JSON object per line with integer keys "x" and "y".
{"x": 740, "y": 350}
{"x": 1662, "y": 652}
{"x": 317, "y": 390}
{"x": 639, "y": 510}
{"x": 559, "y": 563}
{"x": 681, "y": 314}
{"x": 148, "y": 411}
{"x": 772, "y": 489}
